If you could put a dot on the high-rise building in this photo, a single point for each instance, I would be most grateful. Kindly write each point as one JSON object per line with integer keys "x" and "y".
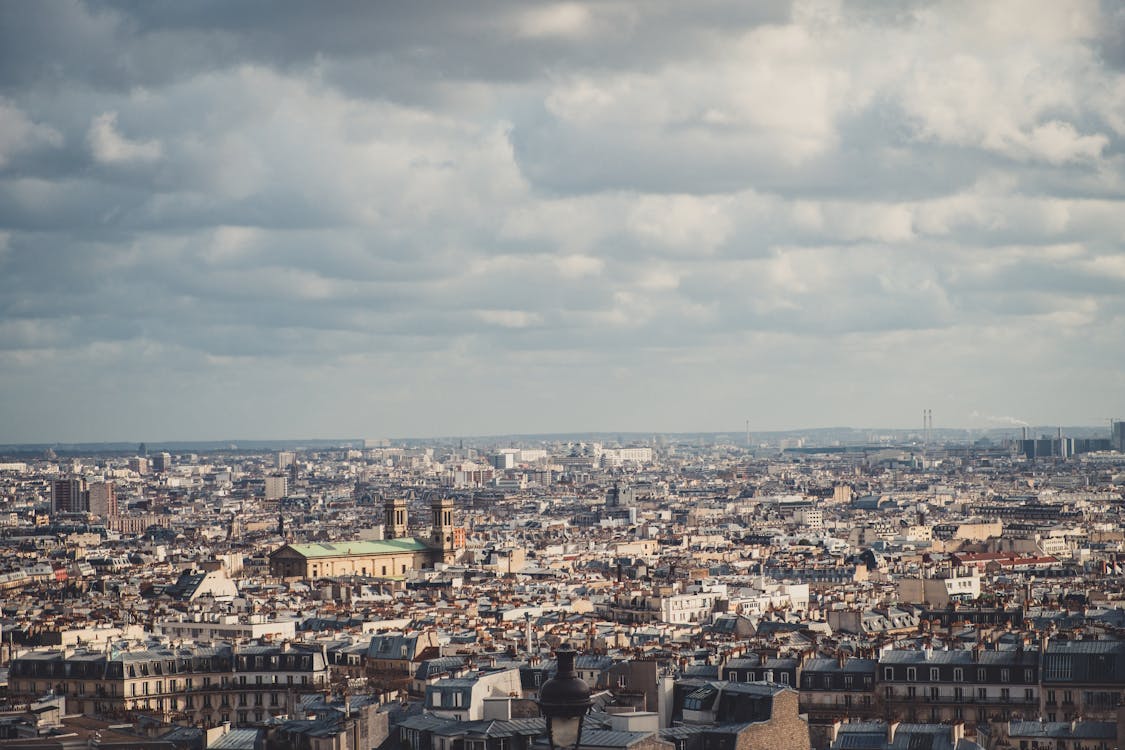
{"x": 162, "y": 462}
{"x": 277, "y": 486}
{"x": 285, "y": 459}
{"x": 139, "y": 465}
{"x": 1117, "y": 436}
{"x": 70, "y": 496}
{"x": 103, "y": 499}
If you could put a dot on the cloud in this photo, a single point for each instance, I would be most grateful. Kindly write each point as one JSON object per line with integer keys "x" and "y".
{"x": 108, "y": 146}
{"x": 810, "y": 212}
{"x": 18, "y": 134}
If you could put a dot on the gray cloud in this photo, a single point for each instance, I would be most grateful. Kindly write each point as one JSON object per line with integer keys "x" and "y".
{"x": 493, "y": 216}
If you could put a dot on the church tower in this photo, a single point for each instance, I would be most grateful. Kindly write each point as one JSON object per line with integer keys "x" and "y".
{"x": 441, "y": 538}
{"x": 394, "y": 518}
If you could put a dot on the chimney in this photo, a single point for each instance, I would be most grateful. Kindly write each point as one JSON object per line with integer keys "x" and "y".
{"x": 892, "y": 727}
{"x": 956, "y": 732}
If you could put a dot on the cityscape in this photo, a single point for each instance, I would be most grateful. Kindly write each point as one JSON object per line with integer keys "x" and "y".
{"x": 562, "y": 375}
{"x": 899, "y": 589}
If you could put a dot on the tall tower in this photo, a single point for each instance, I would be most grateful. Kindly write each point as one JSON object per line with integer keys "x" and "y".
{"x": 70, "y": 496}
{"x": 441, "y": 538}
{"x": 394, "y": 518}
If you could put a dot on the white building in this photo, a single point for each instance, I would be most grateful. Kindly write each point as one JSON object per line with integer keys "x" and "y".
{"x": 227, "y": 628}
{"x": 622, "y": 456}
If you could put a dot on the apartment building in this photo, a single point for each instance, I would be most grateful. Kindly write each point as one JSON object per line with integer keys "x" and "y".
{"x": 204, "y": 685}
{"x": 975, "y": 685}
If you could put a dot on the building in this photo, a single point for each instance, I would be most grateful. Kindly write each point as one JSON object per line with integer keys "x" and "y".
{"x": 103, "y": 499}
{"x": 976, "y": 685}
{"x": 835, "y": 689}
{"x": 1061, "y": 735}
{"x": 1083, "y": 679}
{"x": 162, "y": 462}
{"x": 942, "y": 589}
{"x": 464, "y": 698}
{"x": 226, "y": 628}
{"x": 285, "y": 459}
{"x": 770, "y": 711}
{"x": 394, "y": 556}
{"x": 70, "y": 496}
{"x": 896, "y": 736}
{"x": 205, "y": 686}
{"x": 139, "y": 464}
{"x": 277, "y": 486}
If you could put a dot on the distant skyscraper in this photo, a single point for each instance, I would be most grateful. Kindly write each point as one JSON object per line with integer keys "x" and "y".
{"x": 139, "y": 465}
{"x": 285, "y": 459}
{"x": 1117, "y": 436}
{"x": 103, "y": 499}
{"x": 70, "y": 496}
{"x": 162, "y": 462}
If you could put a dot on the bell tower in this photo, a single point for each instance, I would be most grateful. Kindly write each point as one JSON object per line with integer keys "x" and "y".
{"x": 441, "y": 538}
{"x": 394, "y": 518}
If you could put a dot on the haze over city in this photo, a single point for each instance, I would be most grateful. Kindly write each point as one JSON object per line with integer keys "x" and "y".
{"x": 293, "y": 220}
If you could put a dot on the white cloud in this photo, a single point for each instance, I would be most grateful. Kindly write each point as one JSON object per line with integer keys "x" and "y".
{"x": 509, "y": 318}
{"x": 108, "y": 146}
{"x": 18, "y": 134}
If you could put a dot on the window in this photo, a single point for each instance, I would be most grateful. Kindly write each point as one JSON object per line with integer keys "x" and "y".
{"x": 1005, "y": 694}
{"x": 958, "y": 694}
{"x": 784, "y": 678}
{"x": 1028, "y": 695}
{"x": 981, "y": 675}
{"x": 933, "y": 674}
{"x": 934, "y": 693}
{"x": 848, "y": 680}
{"x": 958, "y": 675}
{"x": 1068, "y": 698}
{"x": 982, "y": 693}
{"x": 1005, "y": 675}
{"x": 1051, "y": 698}
{"x": 911, "y": 674}
{"x": 888, "y": 673}
{"x": 910, "y": 692}
{"x": 1029, "y": 676}
{"x": 1058, "y": 667}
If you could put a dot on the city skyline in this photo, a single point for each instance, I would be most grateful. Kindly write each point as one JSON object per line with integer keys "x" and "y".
{"x": 285, "y": 219}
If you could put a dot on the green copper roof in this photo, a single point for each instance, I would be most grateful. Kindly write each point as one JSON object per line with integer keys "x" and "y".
{"x": 340, "y": 549}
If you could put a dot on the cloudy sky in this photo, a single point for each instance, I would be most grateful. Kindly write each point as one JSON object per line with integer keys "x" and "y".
{"x": 291, "y": 219}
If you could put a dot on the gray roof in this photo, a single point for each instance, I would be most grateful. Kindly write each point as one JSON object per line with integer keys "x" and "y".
{"x": 1086, "y": 730}
{"x": 832, "y": 665}
{"x": 236, "y": 739}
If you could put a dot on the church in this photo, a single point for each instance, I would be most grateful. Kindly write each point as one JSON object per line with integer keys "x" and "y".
{"x": 393, "y": 556}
